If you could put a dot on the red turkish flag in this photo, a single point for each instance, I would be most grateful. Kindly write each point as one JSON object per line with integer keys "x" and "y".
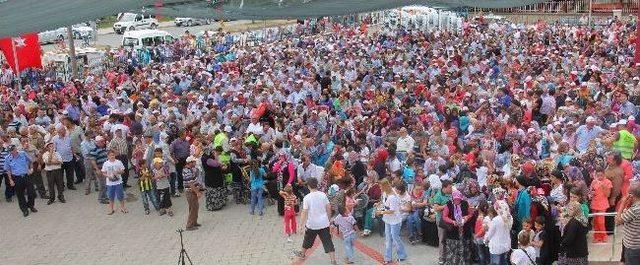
{"x": 637, "y": 57}
{"x": 24, "y": 50}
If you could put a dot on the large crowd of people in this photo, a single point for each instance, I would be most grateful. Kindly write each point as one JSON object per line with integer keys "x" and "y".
{"x": 497, "y": 143}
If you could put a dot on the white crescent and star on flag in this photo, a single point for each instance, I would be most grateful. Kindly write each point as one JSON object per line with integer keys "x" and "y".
{"x": 19, "y": 42}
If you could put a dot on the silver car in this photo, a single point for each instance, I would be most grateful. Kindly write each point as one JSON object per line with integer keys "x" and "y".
{"x": 52, "y": 36}
{"x": 189, "y": 21}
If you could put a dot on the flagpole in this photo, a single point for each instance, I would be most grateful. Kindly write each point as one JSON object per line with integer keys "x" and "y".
{"x": 636, "y": 58}
{"x": 15, "y": 60}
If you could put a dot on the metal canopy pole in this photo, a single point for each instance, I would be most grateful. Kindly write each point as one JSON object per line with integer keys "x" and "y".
{"x": 72, "y": 53}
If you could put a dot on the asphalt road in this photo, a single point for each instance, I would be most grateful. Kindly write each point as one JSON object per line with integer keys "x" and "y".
{"x": 106, "y": 36}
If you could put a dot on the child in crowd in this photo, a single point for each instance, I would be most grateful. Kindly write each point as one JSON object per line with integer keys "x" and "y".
{"x": 539, "y": 240}
{"x": 409, "y": 174}
{"x": 147, "y": 188}
{"x": 256, "y": 179}
{"x": 290, "y": 201}
{"x": 576, "y": 195}
{"x": 349, "y": 200}
{"x": 526, "y": 229}
{"x": 347, "y": 226}
{"x": 420, "y": 176}
{"x": 480, "y": 228}
{"x": 524, "y": 254}
{"x": 600, "y": 191}
{"x": 112, "y": 169}
{"x": 137, "y": 156}
{"x": 417, "y": 209}
{"x": 161, "y": 177}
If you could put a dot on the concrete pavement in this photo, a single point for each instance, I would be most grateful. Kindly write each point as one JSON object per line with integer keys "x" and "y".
{"x": 80, "y": 232}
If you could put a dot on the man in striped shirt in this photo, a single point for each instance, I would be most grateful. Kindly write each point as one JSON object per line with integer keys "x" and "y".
{"x": 119, "y": 145}
{"x": 98, "y": 156}
{"x": 192, "y": 192}
{"x": 9, "y": 190}
{"x": 75, "y": 134}
{"x": 629, "y": 215}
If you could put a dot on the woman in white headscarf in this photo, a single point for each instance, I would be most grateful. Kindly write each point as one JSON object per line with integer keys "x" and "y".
{"x": 498, "y": 237}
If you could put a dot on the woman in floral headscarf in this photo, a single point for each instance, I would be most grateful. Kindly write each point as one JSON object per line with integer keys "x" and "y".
{"x": 458, "y": 218}
{"x": 574, "y": 237}
{"x": 471, "y": 190}
{"x": 574, "y": 175}
{"x": 512, "y": 169}
{"x": 591, "y": 160}
{"x": 285, "y": 173}
{"x": 550, "y": 232}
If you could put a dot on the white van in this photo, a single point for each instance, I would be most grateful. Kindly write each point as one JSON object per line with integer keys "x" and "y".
{"x": 132, "y": 21}
{"x": 143, "y": 38}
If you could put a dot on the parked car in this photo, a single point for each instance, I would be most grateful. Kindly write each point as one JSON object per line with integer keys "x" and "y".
{"x": 51, "y": 36}
{"x": 132, "y": 21}
{"x": 189, "y": 21}
{"x": 82, "y": 30}
{"x": 142, "y": 38}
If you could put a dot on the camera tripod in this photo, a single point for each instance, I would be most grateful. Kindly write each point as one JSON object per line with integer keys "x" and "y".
{"x": 184, "y": 256}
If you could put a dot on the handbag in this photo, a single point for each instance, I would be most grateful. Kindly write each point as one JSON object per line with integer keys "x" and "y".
{"x": 446, "y": 226}
{"x": 530, "y": 259}
{"x": 429, "y": 214}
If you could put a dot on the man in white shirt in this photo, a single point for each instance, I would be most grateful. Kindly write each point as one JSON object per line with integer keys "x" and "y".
{"x": 404, "y": 144}
{"x": 393, "y": 164}
{"x": 316, "y": 210}
{"x": 255, "y": 127}
{"x": 307, "y": 170}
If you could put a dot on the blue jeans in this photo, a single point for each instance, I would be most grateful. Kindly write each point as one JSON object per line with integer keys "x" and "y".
{"x": 147, "y": 196}
{"x": 499, "y": 259}
{"x": 483, "y": 253}
{"x": 402, "y": 156}
{"x": 256, "y": 199}
{"x": 631, "y": 256}
{"x": 391, "y": 238}
{"x": 414, "y": 224}
{"x": 348, "y": 246}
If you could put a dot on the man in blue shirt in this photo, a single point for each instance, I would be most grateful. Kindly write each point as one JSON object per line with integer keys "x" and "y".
{"x": 18, "y": 167}
{"x": 4, "y": 152}
{"x": 587, "y": 133}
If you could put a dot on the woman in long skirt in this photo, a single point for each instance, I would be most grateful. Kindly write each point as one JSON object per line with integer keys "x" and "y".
{"x": 216, "y": 192}
{"x": 458, "y": 235}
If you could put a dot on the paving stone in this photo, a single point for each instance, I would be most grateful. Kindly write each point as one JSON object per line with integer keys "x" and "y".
{"x": 80, "y": 232}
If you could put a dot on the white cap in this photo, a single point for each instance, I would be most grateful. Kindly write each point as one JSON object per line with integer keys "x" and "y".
{"x": 99, "y": 138}
{"x": 631, "y": 118}
{"x": 591, "y": 119}
{"x": 191, "y": 159}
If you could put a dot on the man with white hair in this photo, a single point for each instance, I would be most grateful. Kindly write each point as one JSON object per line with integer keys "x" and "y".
{"x": 586, "y": 133}
{"x": 62, "y": 143}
